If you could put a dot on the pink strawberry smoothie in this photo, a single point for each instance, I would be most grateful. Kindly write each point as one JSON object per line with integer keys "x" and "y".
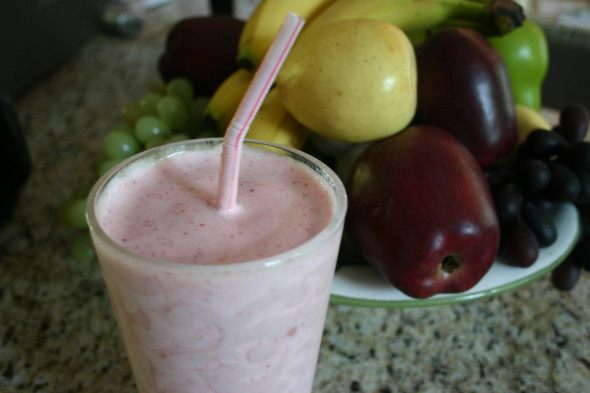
{"x": 225, "y": 301}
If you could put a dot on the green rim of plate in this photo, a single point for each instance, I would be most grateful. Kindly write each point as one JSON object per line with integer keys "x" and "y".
{"x": 460, "y": 297}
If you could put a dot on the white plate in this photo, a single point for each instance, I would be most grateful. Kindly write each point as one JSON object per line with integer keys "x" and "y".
{"x": 362, "y": 285}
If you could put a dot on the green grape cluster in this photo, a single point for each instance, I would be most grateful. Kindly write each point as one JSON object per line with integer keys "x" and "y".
{"x": 169, "y": 112}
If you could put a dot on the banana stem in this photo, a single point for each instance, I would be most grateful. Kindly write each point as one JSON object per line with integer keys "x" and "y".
{"x": 491, "y": 17}
{"x": 417, "y": 18}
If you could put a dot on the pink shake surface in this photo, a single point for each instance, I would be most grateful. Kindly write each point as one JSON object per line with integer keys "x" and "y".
{"x": 208, "y": 324}
{"x": 168, "y": 211}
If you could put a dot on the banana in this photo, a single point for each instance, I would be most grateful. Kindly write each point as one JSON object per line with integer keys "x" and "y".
{"x": 264, "y": 23}
{"x": 272, "y": 123}
{"x": 417, "y": 17}
{"x": 225, "y": 100}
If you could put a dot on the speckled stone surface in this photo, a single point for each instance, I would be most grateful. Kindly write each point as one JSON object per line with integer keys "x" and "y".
{"x": 58, "y": 333}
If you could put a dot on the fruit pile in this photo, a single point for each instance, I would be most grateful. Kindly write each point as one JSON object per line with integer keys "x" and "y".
{"x": 423, "y": 107}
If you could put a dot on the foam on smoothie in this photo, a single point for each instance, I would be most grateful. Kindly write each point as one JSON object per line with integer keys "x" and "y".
{"x": 167, "y": 211}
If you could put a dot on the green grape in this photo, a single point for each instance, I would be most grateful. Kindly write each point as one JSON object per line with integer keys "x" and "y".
{"x": 148, "y": 103}
{"x": 172, "y": 111}
{"x": 63, "y": 210}
{"x": 107, "y": 164}
{"x": 155, "y": 142}
{"x": 123, "y": 127}
{"x": 181, "y": 88}
{"x": 177, "y": 138}
{"x": 159, "y": 87}
{"x": 82, "y": 249}
{"x": 148, "y": 127}
{"x": 196, "y": 120}
{"x": 77, "y": 213}
{"x": 131, "y": 112}
{"x": 119, "y": 144}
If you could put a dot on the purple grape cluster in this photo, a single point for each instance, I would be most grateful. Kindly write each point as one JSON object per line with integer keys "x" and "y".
{"x": 551, "y": 166}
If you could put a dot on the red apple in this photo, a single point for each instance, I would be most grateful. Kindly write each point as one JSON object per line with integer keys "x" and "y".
{"x": 421, "y": 212}
{"x": 464, "y": 88}
{"x": 203, "y": 50}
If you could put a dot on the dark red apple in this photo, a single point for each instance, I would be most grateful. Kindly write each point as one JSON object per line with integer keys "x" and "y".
{"x": 464, "y": 88}
{"x": 203, "y": 50}
{"x": 421, "y": 212}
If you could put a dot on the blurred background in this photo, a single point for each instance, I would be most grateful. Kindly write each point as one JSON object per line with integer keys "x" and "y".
{"x": 36, "y": 36}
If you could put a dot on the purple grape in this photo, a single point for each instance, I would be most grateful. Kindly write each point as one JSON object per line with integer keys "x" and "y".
{"x": 584, "y": 195}
{"x": 573, "y": 122}
{"x": 508, "y": 200}
{"x": 533, "y": 175}
{"x": 499, "y": 174}
{"x": 576, "y": 156}
{"x": 581, "y": 254}
{"x": 564, "y": 185}
{"x": 544, "y": 144}
{"x": 540, "y": 222}
{"x": 518, "y": 244}
{"x": 565, "y": 276}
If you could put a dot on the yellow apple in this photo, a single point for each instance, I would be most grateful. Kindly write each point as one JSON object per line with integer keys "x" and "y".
{"x": 352, "y": 80}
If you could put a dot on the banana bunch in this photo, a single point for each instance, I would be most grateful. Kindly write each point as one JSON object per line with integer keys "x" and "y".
{"x": 272, "y": 123}
{"x": 414, "y": 17}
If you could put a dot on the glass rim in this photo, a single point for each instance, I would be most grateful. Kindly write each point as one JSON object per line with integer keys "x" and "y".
{"x": 335, "y": 224}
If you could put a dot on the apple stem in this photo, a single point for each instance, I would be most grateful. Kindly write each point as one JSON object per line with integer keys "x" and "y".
{"x": 451, "y": 263}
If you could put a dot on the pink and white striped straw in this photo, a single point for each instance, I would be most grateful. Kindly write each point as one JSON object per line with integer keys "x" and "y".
{"x": 236, "y": 132}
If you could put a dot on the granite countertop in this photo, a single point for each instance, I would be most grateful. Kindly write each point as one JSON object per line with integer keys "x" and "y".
{"x": 58, "y": 333}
